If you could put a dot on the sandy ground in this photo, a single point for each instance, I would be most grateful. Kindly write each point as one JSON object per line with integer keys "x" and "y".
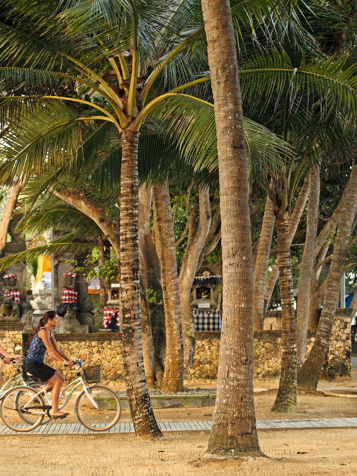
{"x": 288, "y": 452}
{"x": 291, "y": 452}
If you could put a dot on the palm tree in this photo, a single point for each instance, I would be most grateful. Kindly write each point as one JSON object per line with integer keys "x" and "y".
{"x": 142, "y": 42}
{"x": 233, "y": 420}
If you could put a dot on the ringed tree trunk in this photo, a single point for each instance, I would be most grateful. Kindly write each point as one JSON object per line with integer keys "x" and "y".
{"x": 234, "y": 431}
{"x": 285, "y": 401}
{"x": 307, "y": 265}
{"x": 10, "y": 205}
{"x": 261, "y": 264}
{"x": 309, "y": 373}
{"x": 173, "y": 365}
{"x": 138, "y": 396}
{"x": 294, "y": 222}
{"x": 196, "y": 241}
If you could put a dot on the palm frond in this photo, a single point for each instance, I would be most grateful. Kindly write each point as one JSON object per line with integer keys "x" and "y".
{"x": 192, "y": 121}
{"x": 64, "y": 244}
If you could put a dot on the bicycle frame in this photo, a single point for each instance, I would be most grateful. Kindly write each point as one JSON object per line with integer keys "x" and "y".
{"x": 13, "y": 382}
{"x": 75, "y": 383}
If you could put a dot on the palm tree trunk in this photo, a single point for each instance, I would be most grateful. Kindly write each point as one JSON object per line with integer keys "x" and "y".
{"x": 294, "y": 222}
{"x": 11, "y": 203}
{"x": 138, "y": 396}
{"x": 148, "y": 345}
{"x": 322, "y": 247}
{"x": 188, "y": 271}
{"x": 261, "y": 264}
{"x": 307, "y": 265}
{"x": 309, "y": 373}
{"x": 101, "y": 261}
{"x": 213, "y": 237}
{"x": 285, "y": 401}
{"x": 173, "y": 366}
{"x": 151, "y": 280}
{"x": 234, "y": 431}
{"x": 353, "y": 305}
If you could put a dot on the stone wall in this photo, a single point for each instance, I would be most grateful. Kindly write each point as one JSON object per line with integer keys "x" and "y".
{"x": 105, "y": 348}
{"x": 338, "y": 360}
{"x": 11, "y": 341}
{"x": 267, "y": 353}
{"x": 267, "y": 356}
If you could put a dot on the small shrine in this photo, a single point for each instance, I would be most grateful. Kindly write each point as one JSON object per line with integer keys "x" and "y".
{"x": 11, "y": 291}
{"x": 68, "y": 308}
{"x": 205, "y": 304}
{"x": 111, "y": 319}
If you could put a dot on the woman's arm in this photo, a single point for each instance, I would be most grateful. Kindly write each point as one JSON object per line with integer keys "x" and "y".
{"x": 59, "y": 350}
{"x": 43, "y": 335}
{"x": 6, "y": 354}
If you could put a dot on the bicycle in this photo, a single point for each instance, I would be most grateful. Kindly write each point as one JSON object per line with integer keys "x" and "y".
{"x": 17, "y": 380}
{"x": 97, "y": 407}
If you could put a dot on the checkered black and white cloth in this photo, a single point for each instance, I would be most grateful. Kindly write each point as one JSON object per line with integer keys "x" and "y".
{"x": 69, "y": 296}
{"x": 207, "y": 320}
{"x": 110, "y": 313}
{"x": 15, "y": 295}
{"x": 208, "y": 278}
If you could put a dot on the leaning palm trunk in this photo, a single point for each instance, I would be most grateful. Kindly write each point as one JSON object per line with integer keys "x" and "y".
{"x": 294, "y": 222}
{"x": 196, "y": 241}
{"x": 173, "y": 371}
{"x": 309, "y": 373}
{"x": 261, "y": 264}
{"x": 322, "y": 247}
{"x": 234, "y": 431}
{"x": 285, "y": 401}
{"x": 101, "y": 261}
{"x": 353, "y": 305}
{"x": 148, "y": 345}
{"x": 138, "y": 396}
{"x": 154, "y": 328}
{"x": 10, "y": 205}
{"x": 307, "y": 265}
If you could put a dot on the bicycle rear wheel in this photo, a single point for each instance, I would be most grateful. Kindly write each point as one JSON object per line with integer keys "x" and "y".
{"x": 22, "y": 409}
{"x": 103, "y": 414}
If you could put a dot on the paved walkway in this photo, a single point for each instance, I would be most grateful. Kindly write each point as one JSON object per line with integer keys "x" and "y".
{"x": 77, "y": 428}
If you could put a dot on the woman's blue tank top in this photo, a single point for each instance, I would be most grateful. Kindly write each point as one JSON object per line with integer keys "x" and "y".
{"x": 37, "y": 348}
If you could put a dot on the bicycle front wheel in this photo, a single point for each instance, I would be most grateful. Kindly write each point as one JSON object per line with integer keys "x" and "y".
{"x": 22, "y": 409}
{"x": 99, "y": 410}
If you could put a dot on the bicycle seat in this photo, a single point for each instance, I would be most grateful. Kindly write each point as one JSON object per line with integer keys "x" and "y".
{"x": 29, "y": 377}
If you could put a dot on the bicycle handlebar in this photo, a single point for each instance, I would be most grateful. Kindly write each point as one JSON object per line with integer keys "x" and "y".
{"x": 79, "y": 362}
{"x": 12, "y": 360}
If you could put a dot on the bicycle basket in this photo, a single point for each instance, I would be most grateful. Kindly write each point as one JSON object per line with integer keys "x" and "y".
{"x": 92, "y": 374}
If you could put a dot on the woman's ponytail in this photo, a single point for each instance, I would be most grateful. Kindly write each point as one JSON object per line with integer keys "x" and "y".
{"x": 47, "y": 315}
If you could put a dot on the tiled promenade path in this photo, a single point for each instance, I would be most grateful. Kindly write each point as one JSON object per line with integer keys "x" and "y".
{"x": 77, "y": 428}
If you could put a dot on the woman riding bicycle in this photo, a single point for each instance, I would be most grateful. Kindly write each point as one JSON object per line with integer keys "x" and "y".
{"x": 42, "y": 340}
{"x": 6, "y": 361}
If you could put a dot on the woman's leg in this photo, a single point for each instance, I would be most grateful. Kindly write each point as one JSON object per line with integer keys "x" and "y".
{"x": 56, "y": 382}
{"x": 49, "y": 386}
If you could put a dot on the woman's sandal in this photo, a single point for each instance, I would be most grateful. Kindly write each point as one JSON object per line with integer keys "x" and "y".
{"x": 59, "y": 417}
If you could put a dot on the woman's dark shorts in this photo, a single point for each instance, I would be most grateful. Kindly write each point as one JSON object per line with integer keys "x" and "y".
{"x": 39, "y": 370}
